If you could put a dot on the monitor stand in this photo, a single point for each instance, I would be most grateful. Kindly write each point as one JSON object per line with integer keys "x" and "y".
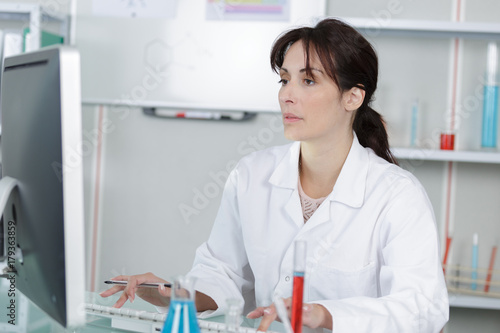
{"x": 9, "y": 197}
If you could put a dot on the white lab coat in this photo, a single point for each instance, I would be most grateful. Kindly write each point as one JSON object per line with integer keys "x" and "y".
{"x": 372, "y": 246}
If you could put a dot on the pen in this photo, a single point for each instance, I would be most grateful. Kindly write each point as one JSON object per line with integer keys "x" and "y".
{"x": 147, "y": 285}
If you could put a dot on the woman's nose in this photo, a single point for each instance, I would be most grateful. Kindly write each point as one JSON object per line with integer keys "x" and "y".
{"x": 286, "y": 94}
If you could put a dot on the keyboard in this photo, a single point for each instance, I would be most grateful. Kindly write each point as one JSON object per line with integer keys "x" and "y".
{"x": 150, "y": 322}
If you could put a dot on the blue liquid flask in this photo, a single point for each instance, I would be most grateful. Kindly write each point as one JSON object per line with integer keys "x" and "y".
{"x": 181, "y": 317}
{"x": 490, "y": 102}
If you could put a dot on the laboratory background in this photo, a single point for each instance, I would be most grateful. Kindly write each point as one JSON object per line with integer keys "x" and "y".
{"x": 175, "y": 92}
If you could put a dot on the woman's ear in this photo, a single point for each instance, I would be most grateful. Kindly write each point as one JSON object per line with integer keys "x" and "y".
{"x": 353, "y": 98}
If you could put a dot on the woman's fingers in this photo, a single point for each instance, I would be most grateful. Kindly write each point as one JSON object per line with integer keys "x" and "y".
{"x": 158, "y": 296}
{"x": 268, "y": 317}
{"x": 313, "y": 315}
{"x": 257, "y": 313}
{"x": 116, "y": 288}
{"x": 133, "y": 281}
{"x": 111, "y": 291}
{"x": 288, "y": 305}
{"x": 316, "y": 315}
{"x": 123, "y": 298}
{"x": 163, "y": 291}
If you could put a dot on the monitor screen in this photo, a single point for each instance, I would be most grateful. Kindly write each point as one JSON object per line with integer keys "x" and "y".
{"x": 41, "y": 151}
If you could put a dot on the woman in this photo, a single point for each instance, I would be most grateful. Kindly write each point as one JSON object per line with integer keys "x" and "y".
{"x": 373, "y": 259}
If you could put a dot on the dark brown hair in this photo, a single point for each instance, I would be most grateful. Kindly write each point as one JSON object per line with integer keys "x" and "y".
{"x": 350, "y": 61}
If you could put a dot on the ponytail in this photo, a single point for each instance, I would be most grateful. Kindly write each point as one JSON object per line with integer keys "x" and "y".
{"x": 369, "y": 127}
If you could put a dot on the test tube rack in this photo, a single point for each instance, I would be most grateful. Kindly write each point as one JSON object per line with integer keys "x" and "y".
{"x": 459, "y": 280}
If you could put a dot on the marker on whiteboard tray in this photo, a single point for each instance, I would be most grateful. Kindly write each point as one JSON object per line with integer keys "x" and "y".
{"x": 183, "y": 113}
{"x": 198, "y": 114}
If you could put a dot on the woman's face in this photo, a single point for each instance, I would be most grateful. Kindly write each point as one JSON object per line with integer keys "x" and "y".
{"x": 312, "y": 108}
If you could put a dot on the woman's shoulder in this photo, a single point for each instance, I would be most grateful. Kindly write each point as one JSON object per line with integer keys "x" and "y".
{"x": 392, "y": 174}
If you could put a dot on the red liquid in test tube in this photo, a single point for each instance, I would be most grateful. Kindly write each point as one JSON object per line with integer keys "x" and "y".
{"x": 298, "y": 285}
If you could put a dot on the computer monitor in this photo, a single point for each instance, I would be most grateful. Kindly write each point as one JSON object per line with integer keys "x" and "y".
{"x": 42, "y": 184}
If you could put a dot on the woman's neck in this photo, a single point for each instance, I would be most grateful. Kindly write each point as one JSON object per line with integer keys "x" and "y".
{"x": 321, "y": 163}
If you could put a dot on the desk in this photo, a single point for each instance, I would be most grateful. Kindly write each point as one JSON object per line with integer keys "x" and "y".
{"x": 30, "y": 318}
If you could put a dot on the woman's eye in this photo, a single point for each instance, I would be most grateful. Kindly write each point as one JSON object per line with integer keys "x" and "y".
{"x": 308, "y": 82}
{"x": 283, "y": 82}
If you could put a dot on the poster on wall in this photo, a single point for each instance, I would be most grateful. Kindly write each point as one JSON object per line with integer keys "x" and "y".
{"x": 254, "y": 10}
{"x": 135, "y": 8}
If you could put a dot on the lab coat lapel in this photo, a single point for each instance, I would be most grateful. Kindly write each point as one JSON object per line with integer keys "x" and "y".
{"x": 349, "y": 188}
{"x": 285, "y": 178}
{"x": 294, "y": 209}
{"x": 351, "y": 183}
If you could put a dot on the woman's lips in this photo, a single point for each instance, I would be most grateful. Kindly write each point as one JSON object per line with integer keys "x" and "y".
{"x": 290, "y": 118}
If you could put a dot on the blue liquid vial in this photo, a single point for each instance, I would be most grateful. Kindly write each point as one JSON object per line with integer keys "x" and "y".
{"x": 490, "y": 117}
{"x": 181, "y": 318}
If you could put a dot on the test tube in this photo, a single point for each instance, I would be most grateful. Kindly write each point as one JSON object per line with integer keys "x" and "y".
{"x": 299, "y": 270}
{"x": 414, "y": 124}
{"x": 490, "y": 269}
{"x": 490, "y": 101}
{"x": 475, "y": 241}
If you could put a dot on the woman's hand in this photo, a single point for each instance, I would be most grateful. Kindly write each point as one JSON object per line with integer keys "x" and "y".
{"x": 313, "y": 315}
{"x": 158, "y": 297}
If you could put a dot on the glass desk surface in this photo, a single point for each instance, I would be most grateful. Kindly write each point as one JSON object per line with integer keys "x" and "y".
{"x": 30, "y": 318}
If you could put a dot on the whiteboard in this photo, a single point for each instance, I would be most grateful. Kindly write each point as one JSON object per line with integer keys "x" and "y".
{"x": 183, "y": 62}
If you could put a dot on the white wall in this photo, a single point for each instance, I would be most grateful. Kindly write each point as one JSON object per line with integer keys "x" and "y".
{"x": 152, "y": 170}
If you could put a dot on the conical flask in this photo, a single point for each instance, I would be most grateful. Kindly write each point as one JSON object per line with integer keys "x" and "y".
{"x": 181, "y": 316}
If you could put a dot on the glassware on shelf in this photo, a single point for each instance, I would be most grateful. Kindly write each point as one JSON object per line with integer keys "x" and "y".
{"x": 447, "y": 140}
{"x": 490, "y": 102}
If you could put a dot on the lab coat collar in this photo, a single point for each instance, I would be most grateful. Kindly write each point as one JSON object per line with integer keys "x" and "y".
{"x": 286, "y": 173}
{"x": 350, "y": 186}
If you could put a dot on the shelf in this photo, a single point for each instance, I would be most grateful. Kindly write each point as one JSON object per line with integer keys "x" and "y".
{"x": 477, "y": 302}
{"x": 11, "y": 11}
{"x": 447, "y": 155}
{"x": 35, "y": 16}
{"x": 373, "y": 27}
